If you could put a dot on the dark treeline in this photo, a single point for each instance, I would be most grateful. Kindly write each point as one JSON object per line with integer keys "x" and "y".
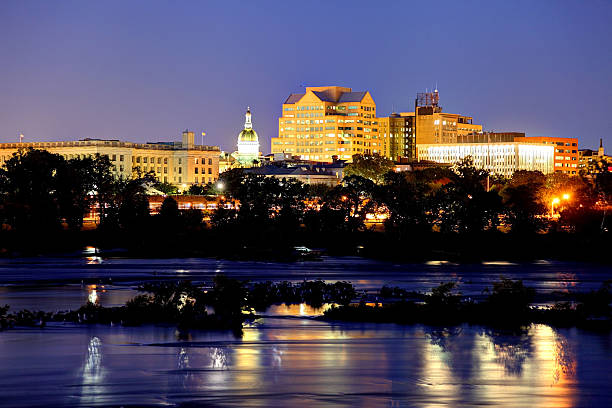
{"x": 507, "y": 304}
{"x": 457, "y": 213}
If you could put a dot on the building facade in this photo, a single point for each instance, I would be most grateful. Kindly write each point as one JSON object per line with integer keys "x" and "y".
{"x": 498, "y": 158}
{"x": 328, "y": 121}
{"x": 432, "y": 125}
{"x": 179, "y": 163}
{"x": 248, "y": 143}
{"x": 567, "y": 158}
{"x": 397, "y": 137}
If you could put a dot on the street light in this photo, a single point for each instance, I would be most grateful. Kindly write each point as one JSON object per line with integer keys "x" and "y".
{"x": 220, "y": 186}
{"x": 554, "y": 201}
{"x": 566, "y": 196}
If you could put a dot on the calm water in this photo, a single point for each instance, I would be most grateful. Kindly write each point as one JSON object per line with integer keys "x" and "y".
{"x": 288, "y": 359}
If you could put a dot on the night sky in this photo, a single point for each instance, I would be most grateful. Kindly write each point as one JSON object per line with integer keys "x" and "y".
{"x": 145, "y": 70}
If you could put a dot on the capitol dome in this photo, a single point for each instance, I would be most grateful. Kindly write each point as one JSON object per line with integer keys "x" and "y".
{"x": 248, "y": 143}
{"x": 248, "y": 134}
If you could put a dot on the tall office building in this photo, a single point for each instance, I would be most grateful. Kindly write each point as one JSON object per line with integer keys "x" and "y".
{"x": 177, "y": 163}
{"x": 434, "y": 126}
{"x": 328, "y": 121}
{"x": 397, "y": 136}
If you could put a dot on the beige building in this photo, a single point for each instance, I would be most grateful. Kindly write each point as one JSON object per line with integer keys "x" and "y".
{"x": 502, "y": 158}
{"x": 434, "y": 126}
{"x": 396, "y": 134}
{"x": 328, "y": 121}
{"x": 179, "y": 163}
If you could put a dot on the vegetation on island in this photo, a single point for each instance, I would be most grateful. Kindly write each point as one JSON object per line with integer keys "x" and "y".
{"x": 458, "y": 213}
{"x": 507, "y": 304}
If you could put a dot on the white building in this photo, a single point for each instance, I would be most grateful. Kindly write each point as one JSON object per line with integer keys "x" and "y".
{"x": 248, "y": 143}
{"x": 499, "y": 158}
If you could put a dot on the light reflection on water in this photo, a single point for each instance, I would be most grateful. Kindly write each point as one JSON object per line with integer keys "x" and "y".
{"x": 289, "y": 362}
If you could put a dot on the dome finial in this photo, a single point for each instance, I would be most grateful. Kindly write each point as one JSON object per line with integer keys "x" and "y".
{"x": 247, "y": 121}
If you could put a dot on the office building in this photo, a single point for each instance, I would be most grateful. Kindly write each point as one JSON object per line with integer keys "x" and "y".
{"x": 432, "y": 125}
{"x": 499, "y": 158}
{"x": 567, "y": 158}
{"x": 328, "y": 121}
{"x": 180, "y": 163}
{"x": 397, "y": 137}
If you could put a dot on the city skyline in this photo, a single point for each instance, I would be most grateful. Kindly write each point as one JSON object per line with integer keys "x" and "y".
{"x": 125, "y": 71}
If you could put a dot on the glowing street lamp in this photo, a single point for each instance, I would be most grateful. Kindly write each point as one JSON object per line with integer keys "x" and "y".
{"x": 554, "y": 201}
{"x": 566, "y": 196}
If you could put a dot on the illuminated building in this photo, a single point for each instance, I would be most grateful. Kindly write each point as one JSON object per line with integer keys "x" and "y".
{"x": 567, "y": 159}
{"x": 248, "y": 143}
{"x": 594, "y": 161}
{"x": 328, "y": 121}
{"x": 434, "y": 126}
{"x": 498, "y": 158}
{"x": 397, "y": 137}
{"x": 179, "y": 163}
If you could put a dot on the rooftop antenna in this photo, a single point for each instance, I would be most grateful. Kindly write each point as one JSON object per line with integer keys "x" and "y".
{"x": 21, "y": 137}
{"x": 203, "y": 134}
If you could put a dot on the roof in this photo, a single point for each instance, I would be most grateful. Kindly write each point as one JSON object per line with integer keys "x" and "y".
{"x": 323, "y": 96}
{"x": 286, "y": 171}
{"x": 293, "y": 98}
{"x": 352, "y": 97}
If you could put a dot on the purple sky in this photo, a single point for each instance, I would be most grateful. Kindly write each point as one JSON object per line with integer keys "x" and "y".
{"x": 146, "y": 70}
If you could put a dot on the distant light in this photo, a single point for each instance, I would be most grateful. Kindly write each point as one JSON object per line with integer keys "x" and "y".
{"x": 566, "y": 196}
{"x": 556, "y": 200}
{"x": 220, "y": 186}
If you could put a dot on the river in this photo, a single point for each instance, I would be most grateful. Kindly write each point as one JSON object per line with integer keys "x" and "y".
{"x": 287, "y": 358}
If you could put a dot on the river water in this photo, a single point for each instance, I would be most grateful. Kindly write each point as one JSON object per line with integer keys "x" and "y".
{"x": 287, "y": 358}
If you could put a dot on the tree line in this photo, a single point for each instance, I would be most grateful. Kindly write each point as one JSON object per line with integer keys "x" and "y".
{"x": 44, "y": 192}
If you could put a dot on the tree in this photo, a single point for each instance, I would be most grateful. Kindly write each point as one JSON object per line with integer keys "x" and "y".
{"x": 372, "y": 167}
{"x": 29, "y": 186}
{"x": 522, "y": 200}
{"x": 465, "y": 205}
{"x": 409, "y": 197}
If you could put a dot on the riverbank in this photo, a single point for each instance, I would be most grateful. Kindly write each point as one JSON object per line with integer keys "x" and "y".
{"x": 238, "y": 245}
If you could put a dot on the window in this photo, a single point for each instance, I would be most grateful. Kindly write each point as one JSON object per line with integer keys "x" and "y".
{"x": 210, "y": 162}
{"x": 165, "y": 160}
{"x": 144, "y": 160}
{"x": 209, "y": 170}
{"x": 195, "y": 170}
{"x": 121, "y": 159}
{"x": 114, "y": 157}
{"x": 180, "y": 170}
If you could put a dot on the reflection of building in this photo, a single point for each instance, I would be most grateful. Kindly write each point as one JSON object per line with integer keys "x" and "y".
{"x": 566, "y": 151}
{"x": 499, "y": 158}
{"x": 172, "y": 162}
{"x": 328, "y": 121}
{"x": 397, "y": 137}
